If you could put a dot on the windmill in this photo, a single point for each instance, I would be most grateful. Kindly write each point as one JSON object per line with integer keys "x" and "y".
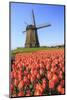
{"x": 31, "y": 33}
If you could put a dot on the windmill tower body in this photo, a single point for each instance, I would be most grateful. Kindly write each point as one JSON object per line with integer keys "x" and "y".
{"x": 31, "y": 34}
{"x": 31, "y": 37}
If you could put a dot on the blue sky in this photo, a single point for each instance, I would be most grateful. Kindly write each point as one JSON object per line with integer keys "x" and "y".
{"x": 44, "y": 14}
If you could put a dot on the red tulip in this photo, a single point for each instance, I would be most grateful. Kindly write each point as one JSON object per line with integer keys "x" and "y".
{"x": 51, "y": 84}
{"x": 21, "y": 93}
{"x": 12, "y": 88}
{"x": 49, "y": 75}
{"x": 15, "y": 82}
{"x": 21, "y": 84}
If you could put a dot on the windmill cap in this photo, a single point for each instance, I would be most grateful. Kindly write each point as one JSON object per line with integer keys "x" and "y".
{"x": 30, "y": 27}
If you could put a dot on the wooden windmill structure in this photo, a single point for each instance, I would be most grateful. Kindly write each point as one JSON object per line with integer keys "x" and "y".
{"x": 31, "y": 33}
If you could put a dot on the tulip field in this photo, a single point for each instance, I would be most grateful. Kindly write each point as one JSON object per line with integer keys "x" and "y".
{"x": 38, "y": 73}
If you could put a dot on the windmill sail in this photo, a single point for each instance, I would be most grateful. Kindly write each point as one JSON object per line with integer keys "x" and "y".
{"x": 33, "y": 18}
{"x": 43, "y": 26}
